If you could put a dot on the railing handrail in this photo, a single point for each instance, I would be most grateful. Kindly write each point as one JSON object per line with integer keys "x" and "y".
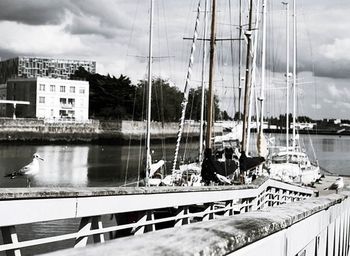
{"x": 228, "y": 236}
{"x": 66, "y": 192}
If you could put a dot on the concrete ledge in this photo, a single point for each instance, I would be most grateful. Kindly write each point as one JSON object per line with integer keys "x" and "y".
{"x": 30, "y": 193}
{"x": 23, "y": 193}
{"x": 217, "y": 237}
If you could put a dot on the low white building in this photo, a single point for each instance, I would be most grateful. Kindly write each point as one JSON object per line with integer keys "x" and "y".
{"x": 304, "y": 126}
{"x": 54, "y": 99}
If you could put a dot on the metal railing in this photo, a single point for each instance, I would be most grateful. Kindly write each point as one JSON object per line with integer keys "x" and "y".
{"x": 316, "y": 226}
{"x": 134, "y": 210}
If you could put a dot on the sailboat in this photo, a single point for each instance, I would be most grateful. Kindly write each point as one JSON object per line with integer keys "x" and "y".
{"x": 212, "y": 170}
{"x": 208, "y": 170}
{"x": 292, "y": 164}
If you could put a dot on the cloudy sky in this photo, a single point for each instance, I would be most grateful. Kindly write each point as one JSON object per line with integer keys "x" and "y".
{"x": 115, "y": 32}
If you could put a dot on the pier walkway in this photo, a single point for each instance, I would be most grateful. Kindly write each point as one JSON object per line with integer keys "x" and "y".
{"x": 134, "y": 210}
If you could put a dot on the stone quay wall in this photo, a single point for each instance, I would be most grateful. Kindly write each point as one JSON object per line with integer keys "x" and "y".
{"x": 39, "y": 130}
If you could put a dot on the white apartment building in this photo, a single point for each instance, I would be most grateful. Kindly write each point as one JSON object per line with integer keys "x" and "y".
{"x": 54, "y": 99}
{"x": 62, "y": 99}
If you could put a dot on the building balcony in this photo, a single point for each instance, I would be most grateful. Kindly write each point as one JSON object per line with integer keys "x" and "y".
{"x": 67, "y": 106}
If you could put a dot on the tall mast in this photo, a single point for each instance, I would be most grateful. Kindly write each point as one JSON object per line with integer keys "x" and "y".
{"x": 294, "y": 71}
{"x": 248, "y": 77}
{"x": 287, "y": 75}
{"x": 149, "y": 93}
{"x": 203, "y": 83}
{"x": 252, "y": 80}
{"x": 211, "y": 77}
{"x": 263, "y": 65}
{"x": 240, "y": 61}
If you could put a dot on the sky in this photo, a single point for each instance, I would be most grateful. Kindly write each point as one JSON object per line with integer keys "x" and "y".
{"x": 114, "y": 33}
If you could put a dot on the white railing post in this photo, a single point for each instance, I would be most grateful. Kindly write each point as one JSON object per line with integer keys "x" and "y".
{"x": 209, "y": 215}
{"x": 85, "y": 226}
{"x": 229, "y": 207}
{"x": 9, "y": 236}
{"x": 182, "y": 220}
{"x": 97, "y": 224}
{"x": 142, "y": 226}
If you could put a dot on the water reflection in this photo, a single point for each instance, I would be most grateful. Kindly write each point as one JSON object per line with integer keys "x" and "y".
{"x": 63, "y": 166}
{"x": 328, "y": 144}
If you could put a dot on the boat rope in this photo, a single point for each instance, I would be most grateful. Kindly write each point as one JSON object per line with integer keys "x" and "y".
{"x": 186, "y": 89}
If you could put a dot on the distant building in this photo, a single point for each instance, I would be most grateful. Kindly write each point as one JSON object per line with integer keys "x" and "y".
{"x": 55, "y": 99}
{"x": 304, "y": 126}
{"x": 32, "y": 67}
{"x": 3, "y": 95}
{"x": 337, "y": 121}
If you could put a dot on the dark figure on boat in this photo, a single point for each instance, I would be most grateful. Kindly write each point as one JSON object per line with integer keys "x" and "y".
{"x": 248, "y": 163}
{"x": 211, "y": 168}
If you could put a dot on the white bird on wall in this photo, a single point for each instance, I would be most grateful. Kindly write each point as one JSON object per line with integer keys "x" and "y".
{"x": 29, "y": 170}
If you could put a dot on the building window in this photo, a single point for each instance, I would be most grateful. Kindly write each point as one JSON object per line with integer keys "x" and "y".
{"x": 52, "y": 88}
{"x": 72, "y": 89}
{"x": 41, "y": 87}
{"x": 71, "y": 114}
{"x": 82, "y": 90}
{"x": 41, "y": 99}
{"x": 63, "y": 101}
{"x": 71, "y": 102}
{"x": 62, "y": 113}
{"x": 62, "y": 88}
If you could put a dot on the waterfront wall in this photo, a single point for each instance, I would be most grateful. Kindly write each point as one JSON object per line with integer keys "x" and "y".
{"x": 94, "y": 130}
{"x": 40, "y": 130}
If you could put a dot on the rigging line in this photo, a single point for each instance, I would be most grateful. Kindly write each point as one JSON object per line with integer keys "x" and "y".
{"x": 167, "y": 39}
{"x": 185, "y": 32}
{"x": 162, "y": 106}
{"x": 129, "y": 146}
{"x": 187, "y": 85}
{"x": 308, "y": 35}
{"x": 188, "y": 127}
{"x": 131, "y": 34}
{"x": 141, "y": 151}
{"x": 158, "y": 93}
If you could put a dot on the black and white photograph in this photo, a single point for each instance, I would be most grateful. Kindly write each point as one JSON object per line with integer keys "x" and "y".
{"x": 174, "y": 127}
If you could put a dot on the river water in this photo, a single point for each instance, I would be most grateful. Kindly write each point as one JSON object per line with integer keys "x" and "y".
{"x": 114, "y": 165}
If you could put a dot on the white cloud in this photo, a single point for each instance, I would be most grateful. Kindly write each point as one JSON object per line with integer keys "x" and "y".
{"x": 316, "y": 106}
{"x": 345, "y": 104}
{"x": 325, "y": 100}
{"x": 339, "y": 49}
{"x": 39, "y": 40}
{"x": 333, "y": 90}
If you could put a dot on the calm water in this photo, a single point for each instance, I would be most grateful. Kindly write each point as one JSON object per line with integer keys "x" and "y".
{"x": 109, "y": 165}
{"x": 102, "y": 165}
{"x": 80, "y": 166}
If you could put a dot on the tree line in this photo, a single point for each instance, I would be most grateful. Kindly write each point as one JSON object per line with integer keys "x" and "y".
{"x": 115, "y": 98}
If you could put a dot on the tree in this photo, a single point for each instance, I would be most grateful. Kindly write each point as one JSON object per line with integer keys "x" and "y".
{"x": 193, "y": 110}
{"x": 165, "y": 101}
{"x": 110, "y": 97}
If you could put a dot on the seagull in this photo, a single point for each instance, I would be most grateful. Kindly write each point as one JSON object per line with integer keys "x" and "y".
{"x": 338, "y": 184}
{"x": 29, "y": 170}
